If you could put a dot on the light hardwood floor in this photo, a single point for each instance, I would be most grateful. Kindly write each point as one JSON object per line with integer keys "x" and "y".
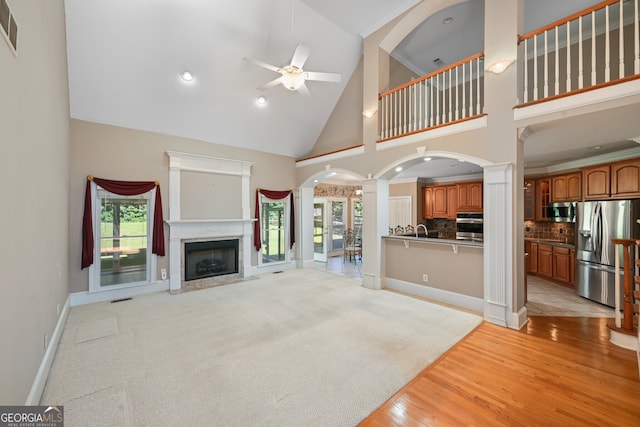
{"x": 557, "y": 371}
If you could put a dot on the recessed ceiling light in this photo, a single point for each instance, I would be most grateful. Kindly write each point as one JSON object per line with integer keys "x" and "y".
{"x": 597, "y": 147}
{"x": 261, "y": 100}
{"x": 448, "y": 20}
{"x": 186, "y": 76}
{"x": 461, "y": 161}
{"x": 315, "y": 180}
{"x": 427, "y": 159}
{"x": 399, "y": 169}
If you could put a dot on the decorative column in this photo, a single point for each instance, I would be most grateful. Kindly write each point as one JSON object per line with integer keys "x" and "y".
{"x": 375, "y": 211}
{"x": 498, "y": 244}
{"x": 304, "y": 227}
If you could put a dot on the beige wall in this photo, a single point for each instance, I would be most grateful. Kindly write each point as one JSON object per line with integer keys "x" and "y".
{"x": 409, "y": 189}
{"x": 399, "y": 74}
{"x": 344, "y": 127}
{"x": 34, "y": 121}
{"x": 210, "y": 196}
{"x": 461, "y": 273}
{"x": 125, "y": 154}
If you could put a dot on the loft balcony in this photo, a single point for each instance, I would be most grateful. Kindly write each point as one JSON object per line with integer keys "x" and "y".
{"x": 585, "y": 58}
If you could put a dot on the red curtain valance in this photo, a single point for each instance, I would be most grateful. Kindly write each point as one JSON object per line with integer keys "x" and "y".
{"x": 123, "y": 188}
{"x": 273, "y": 195}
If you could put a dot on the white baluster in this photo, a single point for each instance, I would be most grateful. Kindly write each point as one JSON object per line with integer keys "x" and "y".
{"x": 568, "y": 88}
{"x": 546, "y": 65}
{"x": 450, "y": 93}
{"x": 526, "y": 72}
{"x": 457, "y": 95}
{"x": 621, "y": 72}
{"x": 437, "y": 99}
{"x": 382, "y": 118}
{"x": 464, "y": 91}
{"x": 580, "y": 56}
{"x": 593, "y": 48}
{"x": 431, "y": 101}
{"x": 607, "y": 44}
{"x": 471, "y": 112}
{"x": 535, "y": 68}
{"x": 478, "y": 109}
{"x": 557, "y": 74}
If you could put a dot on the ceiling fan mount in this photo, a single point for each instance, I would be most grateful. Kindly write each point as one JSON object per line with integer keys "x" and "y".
{"x": 293, "y": 77}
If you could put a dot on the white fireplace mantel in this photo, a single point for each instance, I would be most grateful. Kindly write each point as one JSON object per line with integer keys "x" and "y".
{"x": 195, "y": 229}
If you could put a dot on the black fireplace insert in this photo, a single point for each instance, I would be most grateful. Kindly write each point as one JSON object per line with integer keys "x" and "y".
{"x": 210, "y": 259}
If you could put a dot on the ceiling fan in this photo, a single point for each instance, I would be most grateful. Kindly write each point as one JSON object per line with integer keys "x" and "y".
{"x": 293, "y": 76}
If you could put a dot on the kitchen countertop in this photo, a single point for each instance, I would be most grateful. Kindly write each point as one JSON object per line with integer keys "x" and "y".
{"x": 551, "y": 242}
{"x": 436, "y": 240}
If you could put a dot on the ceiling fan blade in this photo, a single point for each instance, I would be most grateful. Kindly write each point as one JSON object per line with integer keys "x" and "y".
{"x": 323, "y": 77}
{"x": 271, "y": 84}
{"x": 300, "y": 56}
{"x": 304, "y": 90}
{"x": 261, "y": 64}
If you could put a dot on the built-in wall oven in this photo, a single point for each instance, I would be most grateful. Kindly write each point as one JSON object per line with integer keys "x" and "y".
{"x": 469, "y": 226}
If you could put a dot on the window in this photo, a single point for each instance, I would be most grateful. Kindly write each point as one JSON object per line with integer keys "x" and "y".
{"x": 274, "y": 225}
{"x": 122, "y": 236}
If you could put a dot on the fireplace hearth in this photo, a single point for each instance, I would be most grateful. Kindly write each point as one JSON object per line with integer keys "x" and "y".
{"x": 210, "y": 259}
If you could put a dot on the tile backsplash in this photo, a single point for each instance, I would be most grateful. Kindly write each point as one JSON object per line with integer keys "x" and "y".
{"x": 550, "y": 230}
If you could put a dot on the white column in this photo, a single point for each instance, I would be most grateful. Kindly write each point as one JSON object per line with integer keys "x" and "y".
{"x": 304, "y": 227}
{"x": 375, "y": 212}
{"x": 498, "y": 244}
{"x": 174, "y": 189}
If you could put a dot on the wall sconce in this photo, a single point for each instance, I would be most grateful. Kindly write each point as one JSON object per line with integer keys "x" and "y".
{"x": 369, "y": 113}
{"x": 500, "y": 66}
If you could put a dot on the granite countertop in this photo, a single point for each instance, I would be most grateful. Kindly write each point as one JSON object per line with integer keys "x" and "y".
{"x": 552, "y": 242}
{"x": 436, "y": 240}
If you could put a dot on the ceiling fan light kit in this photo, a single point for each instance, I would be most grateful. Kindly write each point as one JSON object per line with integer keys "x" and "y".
{"x": 293, "y": 77}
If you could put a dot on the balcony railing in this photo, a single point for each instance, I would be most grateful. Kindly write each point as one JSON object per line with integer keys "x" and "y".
{"x": 587, "y": 50}
{"x": 443, "y": 97}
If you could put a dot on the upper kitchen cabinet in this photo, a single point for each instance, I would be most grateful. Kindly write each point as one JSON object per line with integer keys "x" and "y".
{"x": 596, "y": 182}
{"x": 470, "y": 197}
{"x": 452, "y": 201}
{"x": 440, "y": 202}
{"x": 566, "y": 188}
{"x": 427, "y": 202}
{"x": 625, "y": 179}
{"x": 529, "y": 199}
{"x": 543, "y": 198}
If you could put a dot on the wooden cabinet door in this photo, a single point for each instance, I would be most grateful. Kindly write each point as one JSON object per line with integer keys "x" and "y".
{"x": 452, "y": 201}
{"x": 470, "y": 197}
{"x": 561, "y": 264}
{"x": 574, "y": 187}
{"x": 543, "y": 198}
{"x": 559, "y": 188}
{"x": 625, "y": 179}
{"x": 529, "y": 200}
{"x": 440, "y": 202}
{"x": 596, "y": 182}
{"x": 545, "y": 260}
{"x": 427, "y": 202}
{"x": 533, "y": 255}
{"x": 572, "y": 267}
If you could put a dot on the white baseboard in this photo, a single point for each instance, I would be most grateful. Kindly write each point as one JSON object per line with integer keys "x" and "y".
{"x": 519, "y": 319}
{"x": 37, "y": 388}
{"x": 439, "y": 295}
{"x": 82, "y": 298}
{"x": 630, "y": 342}
{"x": 272, "y": 268}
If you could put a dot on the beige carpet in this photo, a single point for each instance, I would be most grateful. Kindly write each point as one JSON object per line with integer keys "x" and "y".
{"x": 297, "y": 348}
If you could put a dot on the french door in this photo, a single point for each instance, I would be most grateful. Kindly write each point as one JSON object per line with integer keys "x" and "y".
{"x": 329, "y": 224}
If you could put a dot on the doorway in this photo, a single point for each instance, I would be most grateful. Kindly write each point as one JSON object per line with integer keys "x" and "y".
{"x": 329, "y": 219}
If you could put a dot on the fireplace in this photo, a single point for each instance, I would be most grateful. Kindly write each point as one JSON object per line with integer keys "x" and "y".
{"x": 210, "y": 259}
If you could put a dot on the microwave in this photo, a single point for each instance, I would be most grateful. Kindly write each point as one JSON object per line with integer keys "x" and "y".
{"x": 561, "y": 212}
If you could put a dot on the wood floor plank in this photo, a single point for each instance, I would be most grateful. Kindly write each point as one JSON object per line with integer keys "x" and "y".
{"x": 557, "y": 371}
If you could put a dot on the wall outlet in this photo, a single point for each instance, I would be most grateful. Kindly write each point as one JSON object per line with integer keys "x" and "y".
{"x": 163, "y": 273}
{"x": 425, "y": 277}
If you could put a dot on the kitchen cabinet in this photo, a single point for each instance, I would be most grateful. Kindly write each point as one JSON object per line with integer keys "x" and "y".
{"x": 596, "y": 182}
{"x": 545, "y": 260}
{"x": 543, "y": 198}
{"x": 572, "y": 267}
{"x": 440, "y": 202}
{"x": 625, "y": 179}
{"x": 529, "y": 199}
{"x": 531, "y": 261}
{"x": 470, "y": 197}
{"x": 427, "y": 202}
{"x": 452, "y": 201}
{"x": 561, "y": 264}
{"x": 566, "y": 188}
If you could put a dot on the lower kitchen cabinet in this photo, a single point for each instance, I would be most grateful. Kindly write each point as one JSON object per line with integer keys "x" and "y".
{"x": 545, "y": 260}
{"x": 561, "y": 264}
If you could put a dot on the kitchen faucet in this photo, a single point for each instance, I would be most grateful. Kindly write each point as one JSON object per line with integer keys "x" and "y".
{"x": 426, "y": 233}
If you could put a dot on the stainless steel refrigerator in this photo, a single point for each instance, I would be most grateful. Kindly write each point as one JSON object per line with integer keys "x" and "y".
{"x": 596, "y": 224}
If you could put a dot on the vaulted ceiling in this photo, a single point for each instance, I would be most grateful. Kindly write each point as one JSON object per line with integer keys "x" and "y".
{"x": 125, "y": 58}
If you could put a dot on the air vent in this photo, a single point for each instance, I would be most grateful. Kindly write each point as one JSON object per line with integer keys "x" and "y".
{"x": 9, "y": 26}
{"x": 438, "y": 62}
